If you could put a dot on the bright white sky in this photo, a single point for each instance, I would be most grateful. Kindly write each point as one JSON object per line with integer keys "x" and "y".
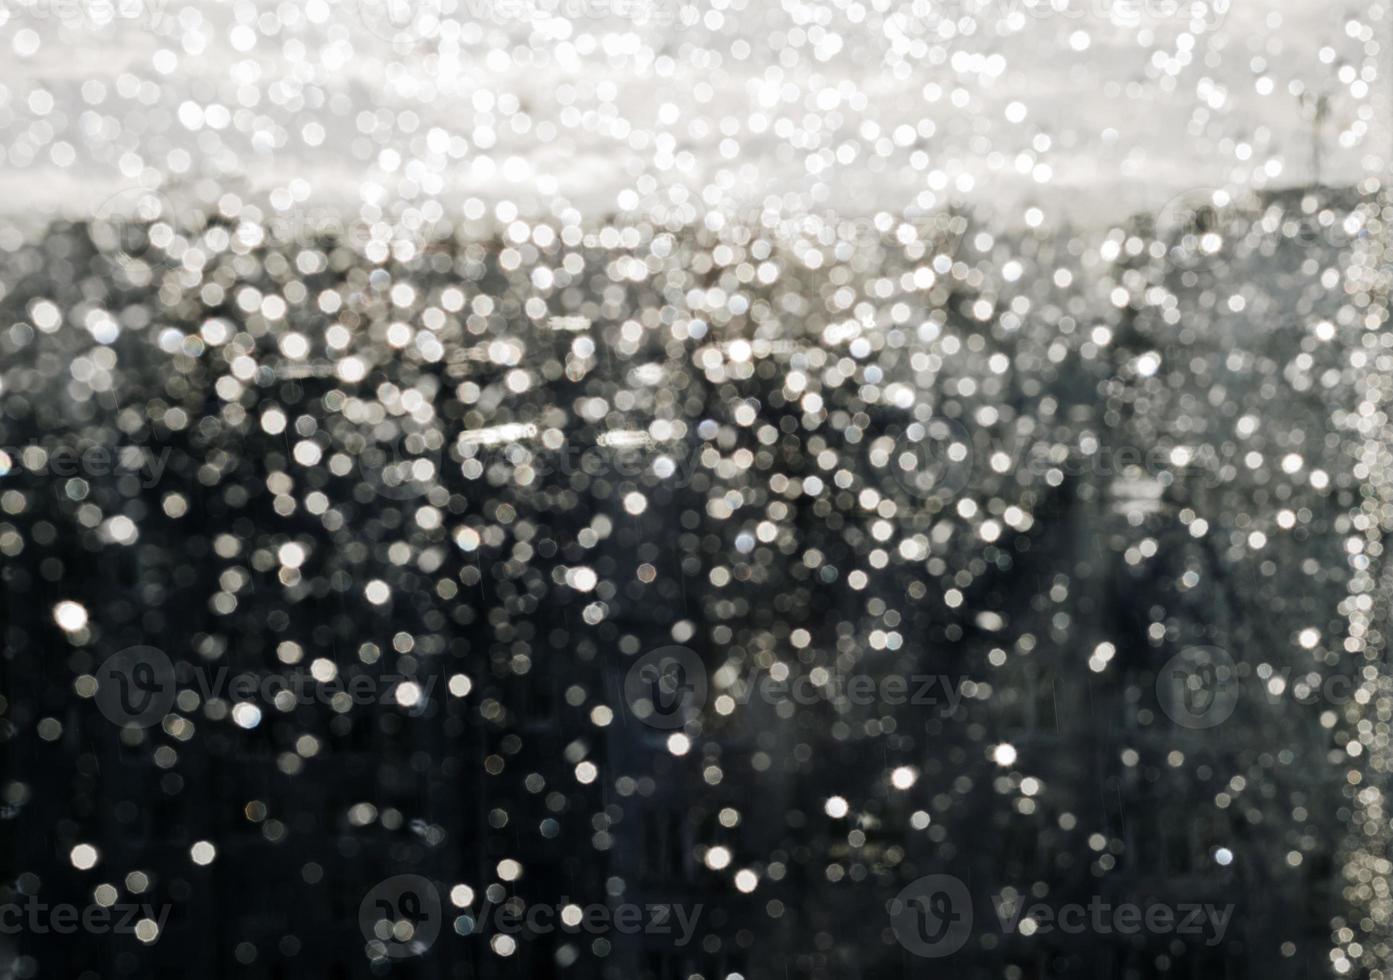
{"x": 1090, "y": 113}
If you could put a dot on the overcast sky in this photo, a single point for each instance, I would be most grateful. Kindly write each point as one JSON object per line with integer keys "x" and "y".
{"x": 1090, "y": 112}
